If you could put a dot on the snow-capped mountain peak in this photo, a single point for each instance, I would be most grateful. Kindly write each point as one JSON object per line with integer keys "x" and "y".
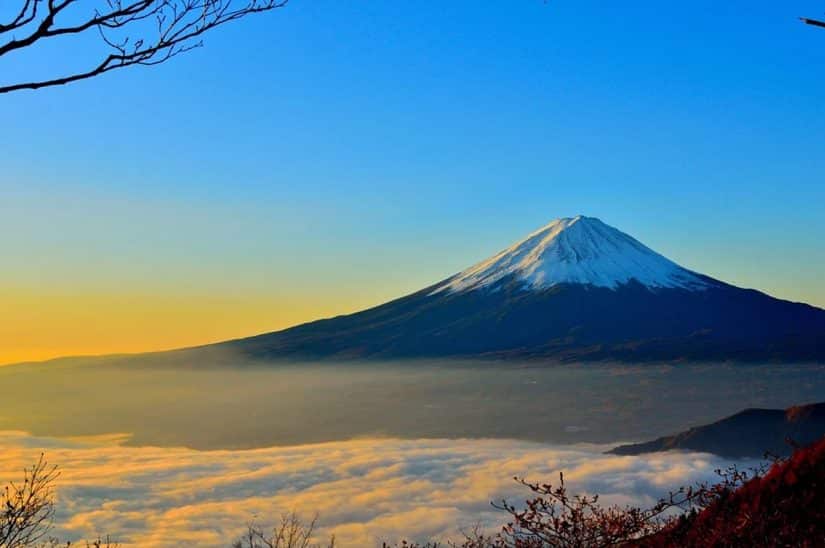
{"x": 614, "y": 299}
{"x": 576, "y": 250}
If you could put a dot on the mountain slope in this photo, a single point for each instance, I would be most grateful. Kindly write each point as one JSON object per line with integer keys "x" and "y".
{"x": 576, "y": 289}
{"x": 783, "y": 507}
{"x": 749, "y": 433}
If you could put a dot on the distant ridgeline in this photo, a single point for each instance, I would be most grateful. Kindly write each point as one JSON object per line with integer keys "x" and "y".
{"x": 576, "y": 289}
{"x": 749, "y": 433}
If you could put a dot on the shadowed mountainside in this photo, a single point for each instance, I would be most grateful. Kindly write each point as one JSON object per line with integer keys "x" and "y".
{"x": 749, "y": 433}
{"x": 576, "y": 289}
{"x": 567, "y": 322}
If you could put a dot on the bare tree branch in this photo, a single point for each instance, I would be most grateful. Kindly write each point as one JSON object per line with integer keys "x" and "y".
{"x": 813, "y": 22}
{"x": 27, "y": 509}
{"x": 137, "y": 32}
{"x": 290, "y": 533}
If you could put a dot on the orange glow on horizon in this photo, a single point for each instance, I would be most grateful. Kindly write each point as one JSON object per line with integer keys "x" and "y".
{"x": 35, "y": 326}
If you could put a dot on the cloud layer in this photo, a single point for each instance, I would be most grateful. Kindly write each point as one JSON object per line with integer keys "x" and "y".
{"x": 365, "y": 491}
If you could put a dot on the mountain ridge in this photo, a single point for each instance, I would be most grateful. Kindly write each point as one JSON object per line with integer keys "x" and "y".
{"x": 509, "y": 315}
{"x": 751, "y": 432}
{"x": 501, "y": 308}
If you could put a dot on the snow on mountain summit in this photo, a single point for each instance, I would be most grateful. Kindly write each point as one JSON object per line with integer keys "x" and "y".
{"x": 577, "y": 250}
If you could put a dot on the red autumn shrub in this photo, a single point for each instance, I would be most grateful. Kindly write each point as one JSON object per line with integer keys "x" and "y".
{"x": 780, "y": 505}
{"x": 783, "y": 507}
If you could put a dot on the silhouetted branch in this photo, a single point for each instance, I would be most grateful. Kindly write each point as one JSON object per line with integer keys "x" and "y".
{"x": 813, "y": 22}
{"x": 139, "y": 32}
{"x": 27, "y": 509}
{"x": 290, "y": 533}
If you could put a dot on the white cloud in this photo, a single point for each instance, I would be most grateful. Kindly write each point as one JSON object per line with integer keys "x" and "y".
{"x": 365, "y": 491}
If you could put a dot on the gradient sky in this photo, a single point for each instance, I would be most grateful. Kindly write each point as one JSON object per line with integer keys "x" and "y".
{"x": 333, "y": 155}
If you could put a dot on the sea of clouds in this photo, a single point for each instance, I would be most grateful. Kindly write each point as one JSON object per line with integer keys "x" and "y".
{"x": 365, "y": 491}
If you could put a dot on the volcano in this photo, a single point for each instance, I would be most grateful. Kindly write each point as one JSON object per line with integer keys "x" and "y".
{"x": 575, "y": 290}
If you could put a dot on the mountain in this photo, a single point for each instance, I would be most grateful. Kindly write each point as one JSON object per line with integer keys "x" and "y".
{"x": 582, "y": 251}
{"x": 577, "y": 289}
{"x": 749, "y": 433}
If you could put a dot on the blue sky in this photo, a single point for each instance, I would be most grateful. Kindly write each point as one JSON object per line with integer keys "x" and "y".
{"x": 348, "y": 152}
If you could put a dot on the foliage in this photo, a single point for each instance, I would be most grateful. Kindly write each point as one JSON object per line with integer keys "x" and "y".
{"x": 778, "y": 504}
{"x": 290, "y": 533}
{"x": 28, "y": 507}
{"x": 100, "y": 542}
{"x": 783, "y": 507}
{"x": 27, "y": 512}
{"x": 782, "y": 504}
{"x": 555, "y": 518}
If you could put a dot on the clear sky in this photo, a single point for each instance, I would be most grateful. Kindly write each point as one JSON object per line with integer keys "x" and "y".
{"x": 333, "y": 155}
